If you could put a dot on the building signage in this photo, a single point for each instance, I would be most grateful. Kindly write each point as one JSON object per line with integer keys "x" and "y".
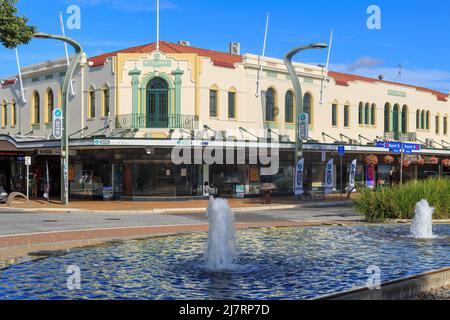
{"x": 396, "y": 93}
{"x": 298, "y": 188}
{"x": 57, "y": 123}
{"x": 102, "y": 142}
{"x": 303, "y": 126}
{"x": 341, "y": 151}
{"x": 54, "y": 152}
{"x": 158, "y": 62}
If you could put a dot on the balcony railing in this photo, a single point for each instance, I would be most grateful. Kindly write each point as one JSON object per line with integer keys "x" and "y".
{"x": 142, "y": 121}
{"x": 403, "y": 137}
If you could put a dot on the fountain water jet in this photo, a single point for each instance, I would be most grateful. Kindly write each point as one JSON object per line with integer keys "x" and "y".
{"x": 422, "y": 227}
{"x": 220, "y": 252}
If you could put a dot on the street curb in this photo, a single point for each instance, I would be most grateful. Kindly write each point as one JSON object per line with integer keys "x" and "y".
{"x": 178, "y": 210}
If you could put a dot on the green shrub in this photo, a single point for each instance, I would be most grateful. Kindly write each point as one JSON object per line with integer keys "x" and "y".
{"x": 399, "y": 202}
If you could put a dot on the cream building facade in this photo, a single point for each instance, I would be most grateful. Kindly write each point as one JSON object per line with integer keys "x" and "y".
{"x": 128, "y": 106}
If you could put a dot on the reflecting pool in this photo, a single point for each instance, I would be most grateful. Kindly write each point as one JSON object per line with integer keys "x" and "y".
{"x": 285, "y": 263}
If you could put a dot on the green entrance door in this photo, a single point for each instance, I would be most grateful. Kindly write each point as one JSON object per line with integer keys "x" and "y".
{"x": 157, "y": 103}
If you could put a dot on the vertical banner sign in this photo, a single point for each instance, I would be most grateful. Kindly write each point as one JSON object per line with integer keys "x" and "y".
{"x": 351, "y": 183}
{"x": 298, "y": 178}
{"x": 47, "y": 185}
{"x": 329, "y": 177}
{"x": 370, "y": 176}
{"x": 303, "y": 126}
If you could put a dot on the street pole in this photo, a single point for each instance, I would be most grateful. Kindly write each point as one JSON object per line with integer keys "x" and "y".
{"x": 401, "y": 165}
{"x": 341, "y": 177}
{"x": 298, "y": 93}
{"x": 65, "y": 101}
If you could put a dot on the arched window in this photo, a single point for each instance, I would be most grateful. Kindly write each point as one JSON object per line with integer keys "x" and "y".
{"x": 361, "y": 113}
{"x": 373, "y": 114}
{"x": 347, "y": 116}
{"x": 36, "y": 108}
{"x": 396, "y": 118}
{"x": 422, "y": 120}
{"x": 270, "y": 104}
{"x": 105, "y": 101}
{"x": 308, "y": 106}
{"x": 4, "y": 114}
{"x": 367, "y": 114}
{"x": 13, "y": 113}
{"x": 50, "y": 105}
{"x": 427, "y": 120}
{"x": 91, "y": 102}
{"x": 418, "y": 119}
{"x": 289, "y": 107}
{"x": 437, "y": 124}
{"x": 387, "y": 117}
{"x": 405, "y": 119}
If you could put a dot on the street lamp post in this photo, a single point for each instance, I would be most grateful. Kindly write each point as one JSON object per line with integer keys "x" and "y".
{"x": 65, "y": 101}
{"x": 298, "y": 92}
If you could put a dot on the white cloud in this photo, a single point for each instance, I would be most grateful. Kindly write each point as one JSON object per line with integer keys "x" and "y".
{"x": 428, "y": 78}
{"x": 364, "y": 62}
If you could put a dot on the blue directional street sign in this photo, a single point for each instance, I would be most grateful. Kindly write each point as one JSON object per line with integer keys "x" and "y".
{"x": 411, "y": 147}
{"x": 380, "y": 144}
{"x": 341, "y": 150}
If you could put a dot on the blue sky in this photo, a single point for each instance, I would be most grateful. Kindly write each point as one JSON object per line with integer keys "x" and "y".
{"x": 414, "y": 33}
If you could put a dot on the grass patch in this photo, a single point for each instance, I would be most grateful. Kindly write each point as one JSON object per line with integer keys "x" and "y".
{"x": 399, "y": 202}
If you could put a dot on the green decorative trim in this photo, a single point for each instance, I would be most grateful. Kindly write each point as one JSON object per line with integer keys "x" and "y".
{"x": 48, "y": 126}
{"x": 135, "y": 73}
{"x": 271, "y": 125}
{"x": 178, "y": 81}
{"x": 36, "y": 126}
{"x": 395, "y": 93}
{"x": 271, "y": 74}
{"x": 290, "y": 126}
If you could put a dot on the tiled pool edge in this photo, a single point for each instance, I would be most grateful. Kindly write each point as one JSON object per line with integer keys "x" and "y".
{"x": 403, "y": 289}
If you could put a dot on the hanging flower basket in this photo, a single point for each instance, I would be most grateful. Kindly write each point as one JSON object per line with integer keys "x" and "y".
{"x": 434, "y": 160}
{"x": 371, "y": 160}
{"x": 388, "y": 159}
{"x": 421, "y": 162}
{"x": 446, "y": 163}
{"x": 406, "y": 163}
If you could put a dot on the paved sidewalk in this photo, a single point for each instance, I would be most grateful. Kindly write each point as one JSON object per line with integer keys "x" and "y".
{"x": 98, "y": 206}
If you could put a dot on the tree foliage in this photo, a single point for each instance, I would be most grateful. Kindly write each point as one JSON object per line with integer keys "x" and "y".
{"x": 14, "y": 30}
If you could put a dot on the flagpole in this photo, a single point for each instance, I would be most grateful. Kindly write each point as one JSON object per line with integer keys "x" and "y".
{"x": 22, "y": 90}
{"x": 261, "y": 60}
{"x": 327, "y": 68}
{"x": 329, "y": 51}
{"x": 157, "y": 25}
{"x": 63, "y": 31}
